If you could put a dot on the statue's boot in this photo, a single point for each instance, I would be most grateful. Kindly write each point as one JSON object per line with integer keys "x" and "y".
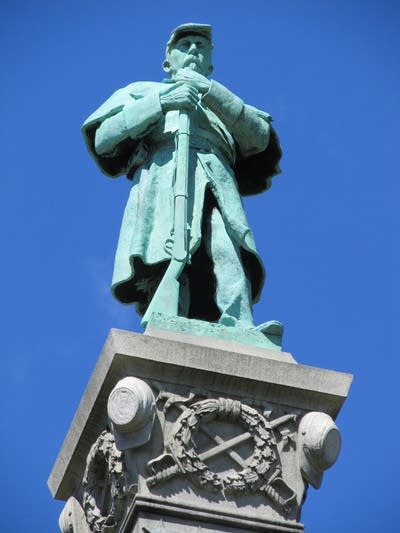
{"x": 272, "y": 328}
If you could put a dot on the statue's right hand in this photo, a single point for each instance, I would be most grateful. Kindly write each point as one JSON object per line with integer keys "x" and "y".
{"x": 179, "y": 96}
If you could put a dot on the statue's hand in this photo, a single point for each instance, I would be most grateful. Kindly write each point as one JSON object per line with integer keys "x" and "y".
{"x": 196, "y": 80}
{"x": 179, "y": 96}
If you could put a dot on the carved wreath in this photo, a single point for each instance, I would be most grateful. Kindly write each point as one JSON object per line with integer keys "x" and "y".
{"x": 262, "y": 465}
{"x": 104, "y": 468}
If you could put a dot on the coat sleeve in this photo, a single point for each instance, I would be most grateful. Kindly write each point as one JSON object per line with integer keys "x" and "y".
{"x": 134, "y": 121}
{"x": 259, "y": 150}
{"x": 113, "y": 131}
{"x": 249, "y": 126}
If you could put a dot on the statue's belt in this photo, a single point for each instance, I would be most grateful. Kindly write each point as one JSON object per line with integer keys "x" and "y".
{"x": 205, "y": 142}
{"x": 202, "y": 141}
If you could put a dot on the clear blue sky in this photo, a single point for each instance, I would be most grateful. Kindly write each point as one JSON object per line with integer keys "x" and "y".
{"x": 328, "y": 72}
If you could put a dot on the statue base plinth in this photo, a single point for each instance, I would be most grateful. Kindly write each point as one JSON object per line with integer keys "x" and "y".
{"x": 201, "y": 329}
{"x": 200, "y": 435}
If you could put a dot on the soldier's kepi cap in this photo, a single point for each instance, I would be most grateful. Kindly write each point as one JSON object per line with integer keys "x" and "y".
{"x": 318, "y": 444}
{"x": 131, "y": 411}
{"x": 190, "y": 28}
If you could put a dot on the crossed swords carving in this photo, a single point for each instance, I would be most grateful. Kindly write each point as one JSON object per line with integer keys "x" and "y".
{"x": 163, "y": 469}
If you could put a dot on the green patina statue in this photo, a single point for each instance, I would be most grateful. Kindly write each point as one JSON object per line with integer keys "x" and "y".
{"x": 191, "y": 148}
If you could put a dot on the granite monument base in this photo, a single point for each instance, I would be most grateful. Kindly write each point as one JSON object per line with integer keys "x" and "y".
{"x": 182, "y": 433}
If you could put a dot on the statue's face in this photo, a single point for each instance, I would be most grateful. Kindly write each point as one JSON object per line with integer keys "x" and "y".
{"x": 190, "y": 51}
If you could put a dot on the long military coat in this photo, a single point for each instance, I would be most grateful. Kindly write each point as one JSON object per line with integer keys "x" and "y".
{"x": 130, "y": 135}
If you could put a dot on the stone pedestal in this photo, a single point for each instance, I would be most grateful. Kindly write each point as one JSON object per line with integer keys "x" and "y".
{"x": 180, "y": 433}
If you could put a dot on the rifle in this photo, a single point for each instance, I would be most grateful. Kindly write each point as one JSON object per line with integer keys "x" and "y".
{"x": 166, "y": 298}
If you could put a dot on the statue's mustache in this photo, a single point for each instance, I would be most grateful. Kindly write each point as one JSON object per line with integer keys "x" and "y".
{"x": 192, "y": 59}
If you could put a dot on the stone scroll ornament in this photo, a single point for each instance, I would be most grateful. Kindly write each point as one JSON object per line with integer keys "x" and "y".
{"x": 260, "y": 473}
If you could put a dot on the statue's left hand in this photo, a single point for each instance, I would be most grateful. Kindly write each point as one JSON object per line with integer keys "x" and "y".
{"x": 198, "y": 81}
